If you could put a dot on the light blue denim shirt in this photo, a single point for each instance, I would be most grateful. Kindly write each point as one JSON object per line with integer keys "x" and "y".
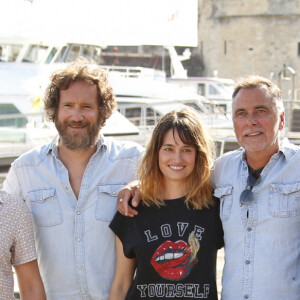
{"x": 262, "y": 251}
{"x": 76, "y": 248}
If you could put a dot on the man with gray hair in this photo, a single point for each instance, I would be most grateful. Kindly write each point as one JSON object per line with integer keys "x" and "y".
{"x": 259, "y": 190}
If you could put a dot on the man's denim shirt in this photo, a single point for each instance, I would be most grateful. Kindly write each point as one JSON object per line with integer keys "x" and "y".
{"x": 76, "y": 248}
{"x": 262, "y": 251}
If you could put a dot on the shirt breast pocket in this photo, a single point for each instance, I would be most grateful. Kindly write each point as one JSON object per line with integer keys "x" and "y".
{"x": 45, "y": 207}
{"x": 224, "y": 193}
{"x": 284, "y": 200}
{"x": 106, "y": 206}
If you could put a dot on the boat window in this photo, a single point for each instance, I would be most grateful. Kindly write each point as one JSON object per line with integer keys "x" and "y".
{"x": 86, "y": 51}
{"x": 201, "y": 89}
{"x": 61, "y": 54}
{"x": 152, "y": 116}
{"x": 7, "y": 109}
{"x": 9, "y": 52}
{"x": 96, "y": 55}
{"x": 35, "y": 53}
{"x": 133, "y": 115}
{"x": 51, "y": 55}
{"x": 73, "y": 53}
{"x": 194, "y": 105}
{"x": 213, "y": 90}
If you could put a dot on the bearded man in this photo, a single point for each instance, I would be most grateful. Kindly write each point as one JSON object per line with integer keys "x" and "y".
{"x": 71, "y": 185}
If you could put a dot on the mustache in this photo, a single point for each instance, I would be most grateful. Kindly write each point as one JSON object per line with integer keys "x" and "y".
{"x": 77, "y": 124}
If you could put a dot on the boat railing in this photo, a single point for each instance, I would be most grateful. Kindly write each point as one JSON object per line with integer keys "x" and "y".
{"x": 135, "y": 72}
{"x": 292, "y": 116}
{"x": 146, "y": 115}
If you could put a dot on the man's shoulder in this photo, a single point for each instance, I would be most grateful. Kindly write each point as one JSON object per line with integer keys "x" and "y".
{"x": 12, "y": 203}
{"x": 230, "y": 156}
{"x": 123, "y": 149}
{"x": 32, "y": 157}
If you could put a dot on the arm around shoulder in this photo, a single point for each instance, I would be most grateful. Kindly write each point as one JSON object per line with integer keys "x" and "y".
{"x": 131, "y": 190}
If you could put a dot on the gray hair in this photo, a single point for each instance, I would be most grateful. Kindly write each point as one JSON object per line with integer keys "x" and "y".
{"x": 255, "y": 81}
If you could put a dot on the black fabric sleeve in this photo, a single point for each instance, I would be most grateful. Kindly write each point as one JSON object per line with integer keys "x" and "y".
{"x": 120, "y": 225}
{"x": 219, "y": 227}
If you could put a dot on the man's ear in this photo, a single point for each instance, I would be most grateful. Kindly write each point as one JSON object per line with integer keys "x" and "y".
{"x": 281, "y": 121}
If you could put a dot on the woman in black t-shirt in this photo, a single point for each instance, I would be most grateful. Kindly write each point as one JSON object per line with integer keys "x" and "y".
{"x": 169, "y": 250}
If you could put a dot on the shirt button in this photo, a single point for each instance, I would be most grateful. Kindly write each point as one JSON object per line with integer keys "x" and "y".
{"x": 249, "y": 228}
{"x": 113, "y": 193}
{"x": 41, "y": 199}
{"x": 247, "y": 262}
{"x": 78, "y": 240}
{"x": 85, "y": 186}
{"x": 80, "y": 267}
{"x": 83, "y": 293}
{"x": 78, "y": 212}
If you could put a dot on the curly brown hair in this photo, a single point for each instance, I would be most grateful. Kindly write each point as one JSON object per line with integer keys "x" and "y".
{"x": 191, "y": 131}
{"x": 80, "y": 70}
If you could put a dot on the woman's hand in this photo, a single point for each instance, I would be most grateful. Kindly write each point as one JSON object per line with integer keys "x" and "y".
{"x": 129, "y": 191}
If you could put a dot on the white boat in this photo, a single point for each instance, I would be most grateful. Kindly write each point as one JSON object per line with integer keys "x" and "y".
{"x": 217, "y": 90}
{"x": 23, "y": 79}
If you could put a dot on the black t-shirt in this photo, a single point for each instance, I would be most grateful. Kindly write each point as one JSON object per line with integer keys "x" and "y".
{"x": 175, "y": 249}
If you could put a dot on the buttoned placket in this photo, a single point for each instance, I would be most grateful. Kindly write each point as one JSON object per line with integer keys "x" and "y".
{"x": 249, "y": 221}
{"x": 79, "y": 230}
{"x": 249, "y": 243}
{"x": 249, "y": 213}
{"x": 79, "y": 224}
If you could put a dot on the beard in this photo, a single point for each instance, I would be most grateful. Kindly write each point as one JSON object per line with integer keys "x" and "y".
{"x": 78, "y": 141}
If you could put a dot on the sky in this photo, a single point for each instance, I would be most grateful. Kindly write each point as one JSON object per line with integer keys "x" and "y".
{"x": 108, "y": 22}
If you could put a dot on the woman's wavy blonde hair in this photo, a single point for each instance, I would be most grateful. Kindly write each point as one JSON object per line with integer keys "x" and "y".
{"x": 191, "y": 131}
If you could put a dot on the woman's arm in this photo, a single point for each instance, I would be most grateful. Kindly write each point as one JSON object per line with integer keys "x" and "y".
{"x": 30, "y": 282}
{"x": 131, "y": 190}
{"x": 125, "y": 269}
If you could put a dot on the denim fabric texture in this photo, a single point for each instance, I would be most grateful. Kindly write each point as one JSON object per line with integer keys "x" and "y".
{"x": 262, "y": 238}
{"x": 76, "y": 248}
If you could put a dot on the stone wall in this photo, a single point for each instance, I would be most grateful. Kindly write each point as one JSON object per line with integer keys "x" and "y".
{"x": 249, "y": 37}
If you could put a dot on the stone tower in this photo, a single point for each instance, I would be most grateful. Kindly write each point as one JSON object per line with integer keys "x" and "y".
{"x": 249, "y": 37}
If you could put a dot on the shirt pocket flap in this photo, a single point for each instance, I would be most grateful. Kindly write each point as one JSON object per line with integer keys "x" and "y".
{"x": 223, "y": 191}
{"x": 41, "y": 195}
{"x": 45, "y": 207}
{"x": 112, "y": 189}
{"x": 287, "y": 188}
{"x": 107, "y": 201}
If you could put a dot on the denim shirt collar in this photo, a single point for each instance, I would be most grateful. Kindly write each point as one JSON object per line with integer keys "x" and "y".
{"x": 285, "y": 148}
{"x": 52, "y": 148}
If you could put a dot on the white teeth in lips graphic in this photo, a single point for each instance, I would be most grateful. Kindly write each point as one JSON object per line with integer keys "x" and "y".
{"x": 169, "y": 256}
{"x": 176, "y": 168}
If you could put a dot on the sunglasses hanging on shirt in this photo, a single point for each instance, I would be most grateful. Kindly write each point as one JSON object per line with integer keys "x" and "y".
{"x": 254, "y": 179}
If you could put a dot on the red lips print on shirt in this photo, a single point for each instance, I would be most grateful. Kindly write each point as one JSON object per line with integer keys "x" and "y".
{"x": 175, "y": 260}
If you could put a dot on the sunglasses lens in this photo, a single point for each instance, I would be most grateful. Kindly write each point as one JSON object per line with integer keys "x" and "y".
{"x": 246, "y": 197}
